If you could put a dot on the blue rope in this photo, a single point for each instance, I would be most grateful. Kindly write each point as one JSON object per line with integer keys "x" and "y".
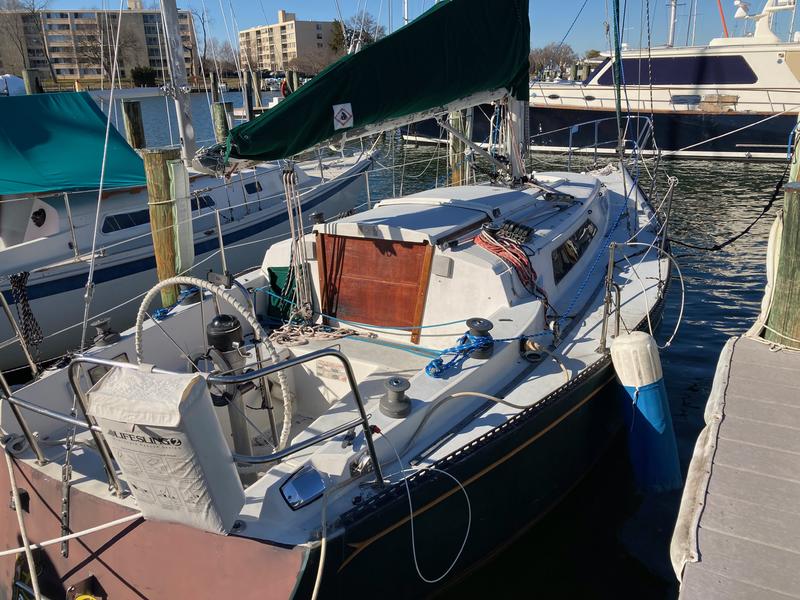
{"x": 467, "y": 344}
{"x": 160, "y": 314}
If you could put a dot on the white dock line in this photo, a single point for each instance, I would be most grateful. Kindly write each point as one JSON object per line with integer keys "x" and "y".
{"x": 72, "y": 536}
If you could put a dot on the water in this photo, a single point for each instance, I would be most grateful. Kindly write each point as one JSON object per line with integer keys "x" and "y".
{"x": 161, "y": 125}
{"x": 604, "y": 540}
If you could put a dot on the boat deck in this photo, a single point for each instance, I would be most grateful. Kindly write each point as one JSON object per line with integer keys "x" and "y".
{"x": 738, "y": 531}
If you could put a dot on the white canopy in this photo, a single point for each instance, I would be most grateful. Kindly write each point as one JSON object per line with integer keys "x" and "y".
{"x": 11, "y": 85}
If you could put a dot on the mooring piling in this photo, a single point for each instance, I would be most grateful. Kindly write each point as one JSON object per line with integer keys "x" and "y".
{"x": 160, "y": 203}
{"x": 134, "y": 126}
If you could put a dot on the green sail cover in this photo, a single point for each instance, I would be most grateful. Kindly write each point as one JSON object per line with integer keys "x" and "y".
{"x": 456, "y": 49}
{"x": 54, "y": 143}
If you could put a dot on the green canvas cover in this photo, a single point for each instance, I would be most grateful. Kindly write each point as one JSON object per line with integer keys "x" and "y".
{"x": 456, "y": 49}
{"x": 54, "y": 143}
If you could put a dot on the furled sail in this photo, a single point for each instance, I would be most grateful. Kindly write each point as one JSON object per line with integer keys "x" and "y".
{"x": 457, "y": 54}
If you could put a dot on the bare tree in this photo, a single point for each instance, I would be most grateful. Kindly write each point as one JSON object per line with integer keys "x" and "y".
{"x": 248, "y": 57}
{"x": 311, "y": 63}
{"x": 555, "y": 57}
{"x": 205, "y": 22}
{"x": 96, "y": 48}
{"x": 359, "y": 31}
{"x": 223, "y": 55}
{"x": 21, "y": 22}
{"x": 12, "y": 28}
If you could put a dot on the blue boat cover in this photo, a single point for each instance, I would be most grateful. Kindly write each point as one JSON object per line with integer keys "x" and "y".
{"x": 54, "y": 143}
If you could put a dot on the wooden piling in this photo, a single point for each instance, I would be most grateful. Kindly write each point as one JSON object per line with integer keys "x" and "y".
{"x": 220, "y": 117}
{"x": 160, "y": 203}
{"x": 256, "y": 79}
{"x": 229, "y": 112}
{"x": 247, "y": 98}
{"x": 783, "y": 322}
{"x": 456, "y": 155}
{"x": 134, "y": 126}
{"x": 30, "y": 78}
{"x": 214, "y": 87}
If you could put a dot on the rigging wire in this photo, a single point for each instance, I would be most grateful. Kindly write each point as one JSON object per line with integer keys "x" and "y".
{"x": 203, "y": 75}
{"x": 235, "y": 55}
{"x": 575, "y": 20}
{"x": 90, "y": 278}
{"x": 214, "y": 57}
{"x": 164, "y": 71}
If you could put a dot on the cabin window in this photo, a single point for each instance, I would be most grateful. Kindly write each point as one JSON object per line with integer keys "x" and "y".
{"x": 200, "y": 202}
{"x": 253, "y": 187}
{"x": 127, "y": 220}
{"x": 569, "y": 253}
{"x": 598, "y": 69}
{"x": 685, "y": 99}
{"x": 683, "y": 70}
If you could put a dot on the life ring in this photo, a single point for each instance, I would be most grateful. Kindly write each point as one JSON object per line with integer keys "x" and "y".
{"x": 285, "y": 89}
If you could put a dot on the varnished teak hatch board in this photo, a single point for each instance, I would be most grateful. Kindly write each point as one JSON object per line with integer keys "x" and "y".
{"x": 377, "y": 282}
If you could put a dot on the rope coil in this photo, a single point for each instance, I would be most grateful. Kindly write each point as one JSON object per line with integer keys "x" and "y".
{"x": 467, "y": 344}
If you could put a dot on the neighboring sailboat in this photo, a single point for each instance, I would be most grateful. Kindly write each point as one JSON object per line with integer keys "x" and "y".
{"x": 377, "y": 445}
{"x": 48, "y": 198}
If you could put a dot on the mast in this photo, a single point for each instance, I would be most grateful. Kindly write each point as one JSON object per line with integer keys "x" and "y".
{"x": 516, "y": 139}
{"x": 179, "y": 89}
{"x": 405, "y": 12}
{"x": 673, "y": 21}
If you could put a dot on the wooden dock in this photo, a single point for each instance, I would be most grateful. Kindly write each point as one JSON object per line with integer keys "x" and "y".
{"x": 738, "y": 530}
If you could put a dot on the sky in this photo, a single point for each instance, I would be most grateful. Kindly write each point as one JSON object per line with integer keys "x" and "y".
{"x": 550, "y": 19}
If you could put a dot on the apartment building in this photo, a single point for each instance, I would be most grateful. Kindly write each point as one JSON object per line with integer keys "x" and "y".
{"x": 78, "y": 44}
{"x": 306, "y": 44}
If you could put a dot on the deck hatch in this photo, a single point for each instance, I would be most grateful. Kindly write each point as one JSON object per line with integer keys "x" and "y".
{"x": 374, "y": 281}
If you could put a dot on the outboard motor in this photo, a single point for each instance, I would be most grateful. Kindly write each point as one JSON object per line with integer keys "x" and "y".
{"x": 225, "y": 342}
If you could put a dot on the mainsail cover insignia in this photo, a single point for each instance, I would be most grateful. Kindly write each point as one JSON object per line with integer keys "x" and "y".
{"x": 457, "y": 49}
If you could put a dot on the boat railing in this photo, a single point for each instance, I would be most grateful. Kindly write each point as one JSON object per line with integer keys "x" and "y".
{"x": 234, "y": 379}
{"x": 773, "y": 99}
{"x": 641, "y": 125}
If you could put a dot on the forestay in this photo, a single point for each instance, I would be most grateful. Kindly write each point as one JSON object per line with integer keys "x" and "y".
{"x": 54, "y": 143}
{"x": 456, "y": 50}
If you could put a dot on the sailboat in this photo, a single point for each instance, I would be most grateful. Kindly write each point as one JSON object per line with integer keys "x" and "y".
{"x": 48, "y": 203}
{"x": 436, "y": 378}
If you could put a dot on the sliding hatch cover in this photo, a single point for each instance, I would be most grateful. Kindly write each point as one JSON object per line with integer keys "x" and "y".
{"x": 376, "y": 282}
